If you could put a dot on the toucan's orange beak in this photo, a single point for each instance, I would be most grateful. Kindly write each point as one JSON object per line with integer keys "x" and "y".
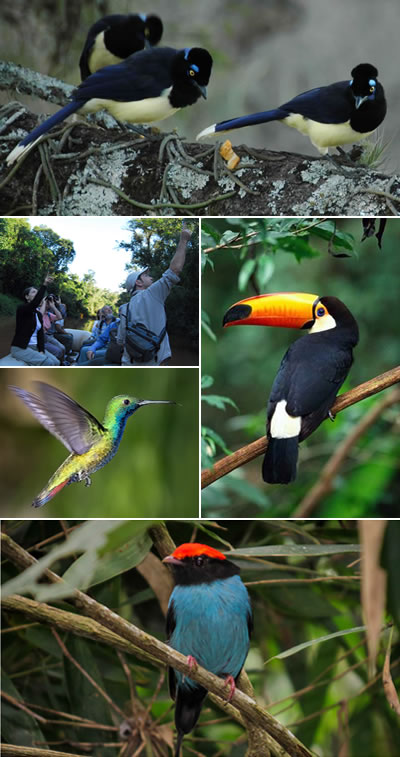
{"x": 293, "y": 310}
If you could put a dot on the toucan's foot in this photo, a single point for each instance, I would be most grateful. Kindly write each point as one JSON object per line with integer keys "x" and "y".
{"x": 230, "y": 681}
{"x": 331, "y": 415}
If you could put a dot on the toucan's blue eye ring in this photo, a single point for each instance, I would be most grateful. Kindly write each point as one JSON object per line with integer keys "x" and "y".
{"x": 320, "y": 311}
{"x": 372, "y": 83}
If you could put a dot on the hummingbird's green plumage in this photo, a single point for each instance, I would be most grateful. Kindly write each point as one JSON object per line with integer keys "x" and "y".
{"x": 91, "y": 444}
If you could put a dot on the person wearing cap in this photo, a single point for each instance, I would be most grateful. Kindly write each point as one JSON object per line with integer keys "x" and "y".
{"x": 147, "y": 303}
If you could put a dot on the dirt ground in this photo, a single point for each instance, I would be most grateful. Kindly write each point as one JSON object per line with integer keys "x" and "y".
{"x": 181, "y": 355}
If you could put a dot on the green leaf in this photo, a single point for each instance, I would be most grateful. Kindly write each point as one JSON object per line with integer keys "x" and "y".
{"x": 297, "y": 550}
{"x": 246, "y": 270}
{"x": 94, "y": 539}
{"x": 390, "y": 561}
{"x": 18, "y": 727}
{"x": 306, "y": 644}
{"x": 206, "y": 382}
{"x": 118, "y": 560}
{"x": 216, "y": 400}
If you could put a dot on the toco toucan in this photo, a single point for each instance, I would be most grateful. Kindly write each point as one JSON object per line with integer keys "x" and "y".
{"x": 310, "y": 375}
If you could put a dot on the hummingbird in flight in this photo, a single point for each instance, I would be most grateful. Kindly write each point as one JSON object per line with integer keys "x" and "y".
{"x": 91, "y": 444}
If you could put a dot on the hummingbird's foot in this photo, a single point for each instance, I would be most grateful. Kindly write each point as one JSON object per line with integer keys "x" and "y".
{"x": 83, "y": 476}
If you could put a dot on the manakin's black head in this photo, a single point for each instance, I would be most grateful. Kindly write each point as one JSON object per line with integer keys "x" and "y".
{"x": 199, "y": 563}
{"x": 191, "y": 71}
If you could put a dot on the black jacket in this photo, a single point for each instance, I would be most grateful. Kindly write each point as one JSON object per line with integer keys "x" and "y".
{"x": 26, "y": 322}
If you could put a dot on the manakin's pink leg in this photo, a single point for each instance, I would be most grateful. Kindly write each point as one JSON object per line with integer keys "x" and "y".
{"x": 230, "y": 681}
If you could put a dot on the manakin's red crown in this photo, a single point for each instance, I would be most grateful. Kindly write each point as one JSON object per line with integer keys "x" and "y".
{"x": 194, "y": 549}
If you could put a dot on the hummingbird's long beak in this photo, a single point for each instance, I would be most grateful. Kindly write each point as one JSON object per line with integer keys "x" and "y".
{"x": 155, "y": 402}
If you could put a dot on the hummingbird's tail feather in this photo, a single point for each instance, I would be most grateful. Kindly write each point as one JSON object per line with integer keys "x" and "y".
{"x": 48, "y": 494}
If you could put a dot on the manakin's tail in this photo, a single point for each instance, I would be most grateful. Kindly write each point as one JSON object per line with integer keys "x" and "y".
{"x": 187, "y": 711}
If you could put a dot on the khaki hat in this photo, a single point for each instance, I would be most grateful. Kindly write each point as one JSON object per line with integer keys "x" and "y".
{"x": 132, "y": 278}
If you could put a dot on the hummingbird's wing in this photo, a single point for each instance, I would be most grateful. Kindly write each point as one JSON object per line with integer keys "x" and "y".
{"x": 70, "y": 423}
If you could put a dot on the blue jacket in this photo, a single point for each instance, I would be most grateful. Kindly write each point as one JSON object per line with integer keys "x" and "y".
{"x": 104, "y": 335}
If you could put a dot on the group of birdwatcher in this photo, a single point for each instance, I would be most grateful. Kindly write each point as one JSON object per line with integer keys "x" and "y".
{"x": 125, "y": 73}
{"x": 137, "y": 336}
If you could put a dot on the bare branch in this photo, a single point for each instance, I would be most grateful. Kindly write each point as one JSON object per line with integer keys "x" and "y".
{"x": 253, "y": 450}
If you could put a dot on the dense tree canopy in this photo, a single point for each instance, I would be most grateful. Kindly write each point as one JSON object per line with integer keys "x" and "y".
{"x": 153, "y": 244}
{"x": 28, "y": 254}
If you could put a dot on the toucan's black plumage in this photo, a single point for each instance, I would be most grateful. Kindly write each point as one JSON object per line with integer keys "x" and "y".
{"x": 148, "y": 86}
{"x": 309, "y": 378}
{"x": 338, "y": 114}
{"x": 311, "y": 373}
{"x": 113, "y": 38}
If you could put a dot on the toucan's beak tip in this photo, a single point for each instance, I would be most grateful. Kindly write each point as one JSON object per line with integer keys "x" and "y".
{"x": 235, "y": 314}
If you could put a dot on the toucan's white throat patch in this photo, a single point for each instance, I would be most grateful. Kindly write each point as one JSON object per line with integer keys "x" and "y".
{"x": 283, "y": 425}
{"x": 323, "y": 324}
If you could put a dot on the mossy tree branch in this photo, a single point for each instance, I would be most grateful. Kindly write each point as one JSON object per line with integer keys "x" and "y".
{"x": 253, "y": 450}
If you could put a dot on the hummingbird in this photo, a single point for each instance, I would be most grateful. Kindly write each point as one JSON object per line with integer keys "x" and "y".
{"x": 91, "y": 444}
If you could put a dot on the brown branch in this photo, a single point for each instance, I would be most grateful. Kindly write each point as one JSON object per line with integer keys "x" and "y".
{"x": 9, "y": 750}
{"x": 253, "y": 450}
{"x": 247, "y": 707}
{"x": 324, "y": 485}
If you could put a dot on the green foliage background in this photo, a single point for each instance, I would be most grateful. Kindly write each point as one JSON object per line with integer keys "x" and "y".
{"x": 240, "y": 363}
{"x": 153, "y": 244}
{"x": 28, "y": 254}
{"x": 321, "y": 692}
{"x": 154, "y": 473}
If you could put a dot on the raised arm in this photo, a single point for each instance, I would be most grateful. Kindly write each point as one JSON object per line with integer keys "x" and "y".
{"x": 178, "y": 260}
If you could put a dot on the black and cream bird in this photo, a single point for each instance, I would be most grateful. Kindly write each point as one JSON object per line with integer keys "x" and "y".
{"x": 341, "y": 113}
{"x": 113, "y": 38}
{"x": 311, "y": 372}
{"x": 150, "y": 85}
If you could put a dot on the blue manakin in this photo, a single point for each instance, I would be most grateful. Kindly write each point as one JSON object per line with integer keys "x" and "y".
{"x": 209, "y": 619}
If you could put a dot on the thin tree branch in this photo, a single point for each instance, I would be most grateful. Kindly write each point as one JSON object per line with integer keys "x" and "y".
{"x": 9, "y": 750}
{"x": 88, "y": 677}
{"x": 251, "y": 712}
{"x": 324, "y": 485}
{"x": 253, "y": 450}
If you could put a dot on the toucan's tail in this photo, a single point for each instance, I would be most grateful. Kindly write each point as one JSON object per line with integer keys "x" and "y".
{"x": 187, "y": 710}
{"x": 277, "y": 114}
{"x": 279, "y": 465}
{"x": 28, "y": 141}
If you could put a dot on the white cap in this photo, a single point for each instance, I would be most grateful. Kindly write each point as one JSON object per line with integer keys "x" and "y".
{"x": 133, "y": 277}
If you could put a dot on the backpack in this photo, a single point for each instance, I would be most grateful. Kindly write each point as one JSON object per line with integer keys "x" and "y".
{"x": 141, "y": 343}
